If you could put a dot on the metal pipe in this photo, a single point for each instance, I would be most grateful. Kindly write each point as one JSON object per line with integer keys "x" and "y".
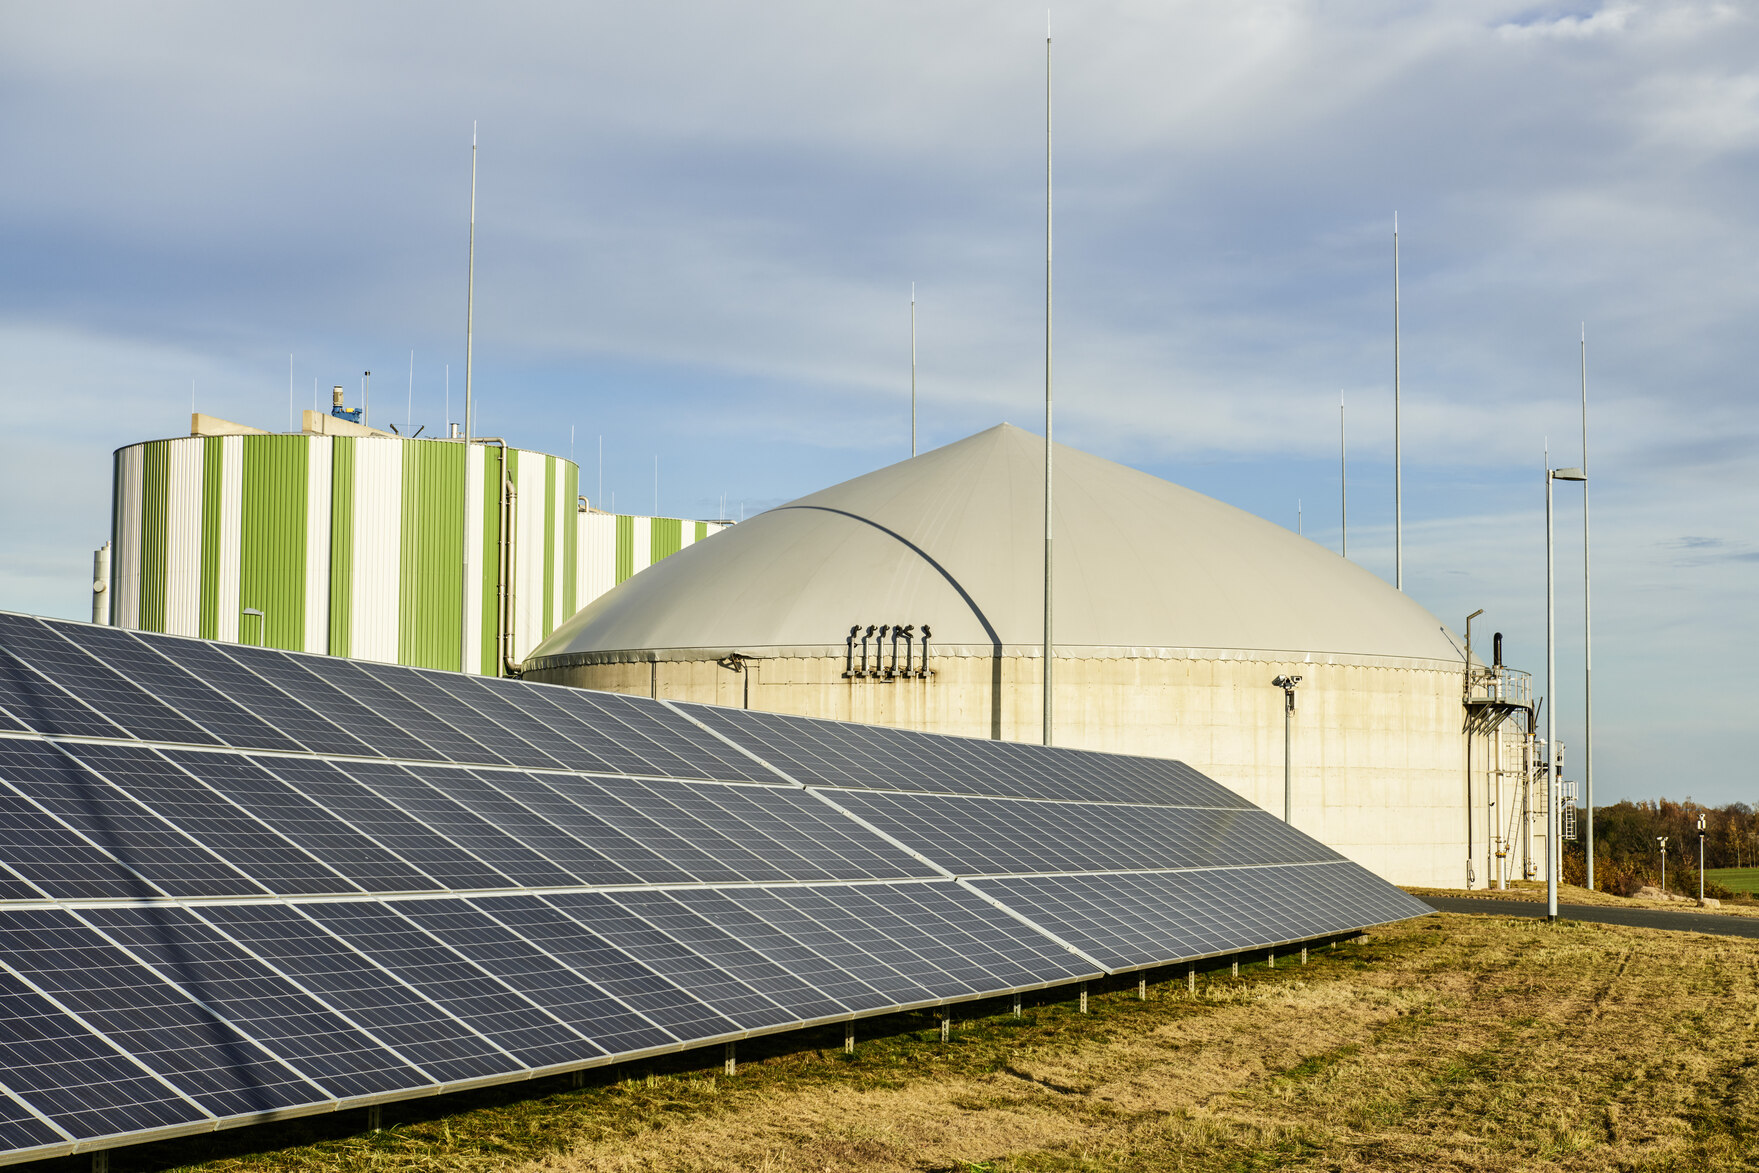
{"x": 1469, "y": 841}
{"x": 849, "y": 651}
{"x": 101, "y": 584}
{"x": 909, "y": 646}
{"x": 470, "y": 296}
{"x": 1049, "y": 644}
{"x": 1587, "y": 643}
{"x": 1551, "y": 711}
{"x": 1398, "y": 465}
{"x": 923, "y": 671}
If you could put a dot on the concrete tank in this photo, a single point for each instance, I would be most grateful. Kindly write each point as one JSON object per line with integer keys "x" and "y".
{"x": 1174, "y": 614}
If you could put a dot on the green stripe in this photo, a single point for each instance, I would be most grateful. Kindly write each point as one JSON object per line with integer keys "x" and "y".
{"x": 570, "y": 539}
{"x": 549, "y": 611}
{"x": 491, "y": 553}
{"x": 213, "y": 466}
{"x": 271, "y": 564}
{"x": 431, "y": 602}
{"x": 116, "y": 498}
{"x": 625, "y": 546}
{"x": 701, "y": 530}
{"x": 665, "y": 538}
{"x": 155, "y": 532}
{"x": 342, "y": 545}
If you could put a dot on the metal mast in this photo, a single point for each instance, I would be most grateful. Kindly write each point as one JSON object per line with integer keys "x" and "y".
{"x": 1587, "y": 640}
{"x": 470, "y": 293}
{"x": 1398, "y": 465}
{"x": 1048, "y": 644}
{"x": 1343, "y": 477}
{"x": 1551, "y": 784}
{"x": 913, "y": 368}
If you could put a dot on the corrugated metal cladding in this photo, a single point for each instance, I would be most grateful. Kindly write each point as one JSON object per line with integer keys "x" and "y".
{"x": 377, "y": 548}
{"x": 615, "y": 546}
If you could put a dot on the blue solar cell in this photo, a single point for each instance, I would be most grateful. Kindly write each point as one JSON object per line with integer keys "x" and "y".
{"x": 611, "y": 1026}
{"x": 433, "y": 737}
{"x": 139, "y": 661}
{"x": 171, "y": 1035}
{"x": 499, "y": 708}
{"x": 398, "y": 832}
{"x": 408, "y": 1022}
{"x": 255, "y": 1000}
{"x": 554, "y": 797}
{"x": 694, "y": 955}
{"x": 211, "y": 819}
{"x": 493, "y": 1009}
{"x": 45, "y": 707}
{"x": 91, "y": 681}
{"x": 127, "y": 831}
{"x": 456, "y": 824}
{"x": 839, "y": 991}
{"x": 638, "y": 986}
{"x": 276, "y": 708}
{"x": 385, "y": 733}
{"x": 304, "y": 821}
{"x": 75, "y": 1078}
{"x": 469, "y": 789}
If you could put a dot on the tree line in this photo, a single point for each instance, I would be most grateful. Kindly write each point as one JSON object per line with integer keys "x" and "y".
{"x": 1627, "y": 856}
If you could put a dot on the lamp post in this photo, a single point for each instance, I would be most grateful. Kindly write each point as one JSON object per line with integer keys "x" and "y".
{"x": 1551, "y": 779}
{"x": 1662, "y": 839}
{"x": 1287, "y": 684}
{"x": 1700, "y": 861}
{"x": 262, "y": 636}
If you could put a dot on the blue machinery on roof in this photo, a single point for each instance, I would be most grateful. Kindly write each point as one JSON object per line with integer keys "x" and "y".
{"x": 240, "y": 884}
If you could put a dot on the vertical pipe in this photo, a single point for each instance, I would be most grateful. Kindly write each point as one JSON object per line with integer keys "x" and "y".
{"x": 1550, "y": 712}
{"x": 1343, "y": 478}
{"x": 1048, "y": 498}
{"x": 1587, "y": 642}
{"x": 470, "y": 299}
{"x": 913, "y": 368}
{"x": 1288, "y": 769}
{"x": 1398, "y": 461}
{"x": 101, "y": 584}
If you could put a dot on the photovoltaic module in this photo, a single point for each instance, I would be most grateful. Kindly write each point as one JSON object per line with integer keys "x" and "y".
{"x": 238, "y": 883}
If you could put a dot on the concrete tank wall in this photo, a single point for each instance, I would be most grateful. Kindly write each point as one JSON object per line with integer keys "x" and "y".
{"x": 1378, "y": 753}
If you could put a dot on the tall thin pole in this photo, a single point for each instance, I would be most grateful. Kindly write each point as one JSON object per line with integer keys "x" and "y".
{"x": 470, "y": 294}
{"x": 913, "y": 368}
{"x": 1587, "y": 639}
{"x": 1048, "y": 498}
{"x": 1398, "y": 462}
{"x": 1551, "y": 786}
{"x": 1288, "y": 762}
{"x": 1343, "y": 478}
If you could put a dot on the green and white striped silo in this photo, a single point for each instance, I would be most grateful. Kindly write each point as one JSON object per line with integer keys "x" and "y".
{"x": 434, "y": 553}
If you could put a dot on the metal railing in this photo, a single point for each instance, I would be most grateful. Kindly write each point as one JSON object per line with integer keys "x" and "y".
{"x": 1500, "y": 686}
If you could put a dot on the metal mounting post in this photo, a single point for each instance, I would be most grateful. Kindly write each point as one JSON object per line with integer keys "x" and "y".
{"x": 849, "y": 1037}
{"x": 1270, "y": 958}
{"x": 1142, "y": 987}
{"x": 1236, "y": 967}
{"x": 946, "y": 1024}
{"x": 375, "y": 1118}
{"x": 732, "y": 1061}
{"x": 1191, "y": 979}
{"x": 1303, "y": 955}
{"x": 1016, "y": 1006}
{"x": 1084, "y": 997}
{"x": 101, "y": 1161}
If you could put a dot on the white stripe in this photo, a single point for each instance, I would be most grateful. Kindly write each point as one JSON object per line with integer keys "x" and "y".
{"x": 595, "y": 556}
{"x": 475, "y": 461}
{"x": 126, "y": 567}
{"x": 318, "y": 468}
{"x": 183, "y": 536}
{"x": 528, "y": 553}
{"x": 559, "y": 572}
{"x": 231, "y": 523}
{"x": 378, "y": 547}
{"x": 644, "y": 545}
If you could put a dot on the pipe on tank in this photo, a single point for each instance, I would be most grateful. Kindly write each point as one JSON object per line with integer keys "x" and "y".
{"x": 909, "y": 646}
{"x": 101, "y": 584}
{"x": 1496, "y": 649}
{"x": 849, "y": 651}
{"x": 923, "y": 671}
{"x": 879, "y": 650}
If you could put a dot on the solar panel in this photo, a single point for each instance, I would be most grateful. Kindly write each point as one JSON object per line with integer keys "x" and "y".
{"x": 238, "y": 883}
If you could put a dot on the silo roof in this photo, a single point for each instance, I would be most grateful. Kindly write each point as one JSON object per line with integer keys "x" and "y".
{"x": 954, "y": 538}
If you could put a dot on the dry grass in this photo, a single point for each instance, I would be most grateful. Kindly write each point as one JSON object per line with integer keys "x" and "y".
{"x": 1468, "y": 1043}
{"x": 1534, "y": 890}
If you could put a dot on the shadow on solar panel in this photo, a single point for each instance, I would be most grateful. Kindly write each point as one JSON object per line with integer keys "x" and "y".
{"x": 240, "y": 884}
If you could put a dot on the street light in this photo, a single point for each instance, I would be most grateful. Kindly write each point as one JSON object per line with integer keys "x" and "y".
{"x": 1700, "y": 861}
{"x": 262, "y": 636}
{"x": 1551, "y": 779}
{"x": 1287, "y": 684}
{"x": 1662, "y": 839}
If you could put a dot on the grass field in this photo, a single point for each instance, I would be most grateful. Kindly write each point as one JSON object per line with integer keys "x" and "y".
{"x": 1458, "y": 1043}
{"x": 1734, "y": 879}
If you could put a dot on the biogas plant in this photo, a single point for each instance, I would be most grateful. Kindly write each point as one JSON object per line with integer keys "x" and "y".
{"x": 912, "y": 596}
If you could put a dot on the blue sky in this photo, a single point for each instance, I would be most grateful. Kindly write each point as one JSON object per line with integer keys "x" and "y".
{"x": 699, "y": 224}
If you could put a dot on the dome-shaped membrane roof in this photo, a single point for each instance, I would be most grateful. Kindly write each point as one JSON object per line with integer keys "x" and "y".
{"x": 955, "y": 538}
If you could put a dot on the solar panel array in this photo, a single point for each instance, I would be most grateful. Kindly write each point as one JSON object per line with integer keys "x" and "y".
{"x": 238, "y": 883}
